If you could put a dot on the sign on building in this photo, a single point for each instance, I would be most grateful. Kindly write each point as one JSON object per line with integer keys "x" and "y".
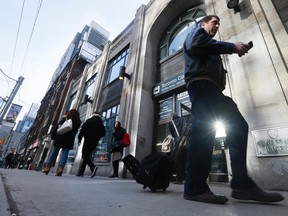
{"x": 271, "y": 142}
{"x": 13, "y": 113}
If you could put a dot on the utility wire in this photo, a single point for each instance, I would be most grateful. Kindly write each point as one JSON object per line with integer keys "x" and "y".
{"x": 13, "y": 57}
{"x": 38, "y": 10}
{"x": 7, "y": 75}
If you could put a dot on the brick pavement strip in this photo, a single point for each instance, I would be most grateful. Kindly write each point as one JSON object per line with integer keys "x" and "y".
{"x": 32, "y": 193}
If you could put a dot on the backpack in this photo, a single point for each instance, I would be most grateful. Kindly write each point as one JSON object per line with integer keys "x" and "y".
{"x": 126, "y": 140}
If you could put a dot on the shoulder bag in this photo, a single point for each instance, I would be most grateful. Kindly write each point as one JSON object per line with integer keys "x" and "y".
{"x": 65, "y": 127}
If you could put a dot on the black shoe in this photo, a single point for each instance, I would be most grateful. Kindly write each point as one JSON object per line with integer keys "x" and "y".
{"x": 94, "y": 171}
{"x": 207, "y": 197}
{"x": 113, "y": 176}
{"x": 178, "y": 182}
{"x": 80, "y": 174}
{"x": 256, "y": 194}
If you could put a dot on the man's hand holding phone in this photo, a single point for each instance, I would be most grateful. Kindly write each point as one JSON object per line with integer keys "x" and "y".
{"x": 242, "y": 48}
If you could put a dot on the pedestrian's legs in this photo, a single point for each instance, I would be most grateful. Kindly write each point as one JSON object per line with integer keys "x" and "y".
{"x": 115, "y": 167}
{"x": 243, "y": 187}
{"x": 204, "y": 98}
{"x": 202, "y": 137}
{"x": 86, "y": 155}
{"x": 82, "y": 167}
{"x": 51, "y": 160}
{"x": 87, "y": 151}
{"x": 53, "y": 155}
{"x": 199, "y": 158}
{"x": 237, "y": 133}
{"x": 209, "y": 105}
{"x": 64, "y": 157}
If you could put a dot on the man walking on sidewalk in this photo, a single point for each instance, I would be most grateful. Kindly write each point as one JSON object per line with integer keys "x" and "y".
{"x": 92, "y": 130}
{"x": 205, "y": 79}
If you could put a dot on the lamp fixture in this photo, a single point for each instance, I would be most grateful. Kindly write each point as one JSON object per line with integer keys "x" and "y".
{"x": 123, "y": 74}
{"x": 86, "y": 100}
{"x": 233, "y": 4}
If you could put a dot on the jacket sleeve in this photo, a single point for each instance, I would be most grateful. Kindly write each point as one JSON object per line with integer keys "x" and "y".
{"x": 82, "y": 131}
{"x": 200, "y": 42}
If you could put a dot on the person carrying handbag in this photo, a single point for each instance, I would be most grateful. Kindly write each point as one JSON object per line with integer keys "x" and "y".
{"x": 64, "y": 141}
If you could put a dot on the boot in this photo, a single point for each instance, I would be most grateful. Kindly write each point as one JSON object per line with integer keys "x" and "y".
{"x": 46, "y": 169}
{"x": 59, "y": 171}
{"x": 115, "y": 165}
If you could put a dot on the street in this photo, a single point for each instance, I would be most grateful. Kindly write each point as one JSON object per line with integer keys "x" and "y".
{"x": 31, "y": 193}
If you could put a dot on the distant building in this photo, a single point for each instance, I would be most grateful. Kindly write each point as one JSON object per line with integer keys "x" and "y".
{"x": 89, "y": 44}
{"x": 24, "y": 124}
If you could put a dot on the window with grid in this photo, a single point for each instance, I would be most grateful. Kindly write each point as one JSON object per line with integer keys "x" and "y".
{"x": 115, "y": 64}
{"x": 176, "y": 33}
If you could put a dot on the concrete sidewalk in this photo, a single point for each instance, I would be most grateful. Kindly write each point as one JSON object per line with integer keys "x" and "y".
{"x": 31, "y": 193}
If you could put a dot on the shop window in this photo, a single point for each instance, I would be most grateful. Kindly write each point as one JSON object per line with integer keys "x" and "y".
{"x": 281, "y": 7}
{"x": 115, "y": 64}
{"x": 176, "y": 33}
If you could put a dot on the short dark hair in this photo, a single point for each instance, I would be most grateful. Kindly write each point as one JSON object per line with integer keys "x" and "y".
{"x": 207, "y": 18}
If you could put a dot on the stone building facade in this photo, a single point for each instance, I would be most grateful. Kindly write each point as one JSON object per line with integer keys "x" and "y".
{"x": 150, "y": 51}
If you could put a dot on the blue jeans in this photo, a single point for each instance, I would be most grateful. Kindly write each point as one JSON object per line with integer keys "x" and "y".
{"x": 54, "y": 154}
{"x": 209, "y": 105}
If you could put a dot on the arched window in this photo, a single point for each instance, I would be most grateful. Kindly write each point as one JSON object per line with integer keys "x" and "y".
{"x": 176, "y": 33}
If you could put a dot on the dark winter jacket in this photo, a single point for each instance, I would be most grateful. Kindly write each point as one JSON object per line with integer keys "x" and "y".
{"x": 92, "y": 129}
{"x": 202, "y": 58}
{"x": 67, "y": 140}
{"x": 118, "y": 135}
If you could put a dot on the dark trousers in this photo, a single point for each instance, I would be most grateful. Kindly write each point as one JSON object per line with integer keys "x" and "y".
{"x": 115, "y": 165}
{"x": 210, "y": 105}
{"x": 89, "y": 147}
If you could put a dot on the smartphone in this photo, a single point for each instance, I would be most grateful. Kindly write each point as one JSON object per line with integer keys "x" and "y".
{"x": 250, "y": 44}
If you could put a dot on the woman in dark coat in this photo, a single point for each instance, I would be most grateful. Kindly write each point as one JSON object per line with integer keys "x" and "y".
{"x": 64, "y": 142}
{"x": 117, "y": 148}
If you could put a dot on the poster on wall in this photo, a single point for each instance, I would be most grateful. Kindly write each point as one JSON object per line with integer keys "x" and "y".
{"x": 13, "y": 113}
{"x": 166, "y": 108}
{"x": 183, "y": 104}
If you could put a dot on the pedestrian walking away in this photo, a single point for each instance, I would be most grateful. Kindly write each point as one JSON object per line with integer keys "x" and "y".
{"x": 205, "y": 80}
{"x": 92, "y": 130}
{"x": 64, "y": 141}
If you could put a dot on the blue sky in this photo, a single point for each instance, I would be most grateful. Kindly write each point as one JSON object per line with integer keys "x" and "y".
{"x": 57, "y": 23}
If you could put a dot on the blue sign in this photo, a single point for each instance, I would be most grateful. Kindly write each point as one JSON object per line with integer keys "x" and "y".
{"x": 168, "y": 85}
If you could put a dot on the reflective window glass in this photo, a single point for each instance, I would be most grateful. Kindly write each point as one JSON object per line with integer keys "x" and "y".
{"x": 176, "y": 33}
{"x": 115, "y": 64}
